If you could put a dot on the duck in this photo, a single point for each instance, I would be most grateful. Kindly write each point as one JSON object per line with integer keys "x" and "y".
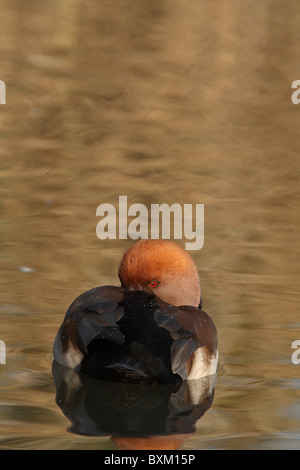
{"x": 150, "y": 329}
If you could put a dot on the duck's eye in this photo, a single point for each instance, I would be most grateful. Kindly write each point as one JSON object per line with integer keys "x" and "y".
{"x": 153, "y": 283}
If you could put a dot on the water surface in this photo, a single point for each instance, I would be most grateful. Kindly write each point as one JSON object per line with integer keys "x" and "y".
{"x": 172, "y": 101}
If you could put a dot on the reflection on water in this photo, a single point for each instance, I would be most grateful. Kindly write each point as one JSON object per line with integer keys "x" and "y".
{"x": 163, "y": 102}
{"x": 134, "y": 415}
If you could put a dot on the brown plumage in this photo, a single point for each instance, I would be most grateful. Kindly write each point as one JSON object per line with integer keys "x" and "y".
{"x": 150, "y": 329}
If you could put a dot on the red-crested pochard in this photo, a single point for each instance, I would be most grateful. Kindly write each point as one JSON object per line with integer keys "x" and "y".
{"x": 151, "y": 329}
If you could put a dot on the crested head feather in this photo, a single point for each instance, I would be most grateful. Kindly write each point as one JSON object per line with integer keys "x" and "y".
{"x": 166, "y": 262}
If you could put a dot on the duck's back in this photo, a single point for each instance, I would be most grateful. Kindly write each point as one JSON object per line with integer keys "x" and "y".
{"x": 115, "y": 334}
{"x": 145, "y": 354}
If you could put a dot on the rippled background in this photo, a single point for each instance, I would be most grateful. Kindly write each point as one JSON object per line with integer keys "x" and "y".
{"x": 165, "y": 101}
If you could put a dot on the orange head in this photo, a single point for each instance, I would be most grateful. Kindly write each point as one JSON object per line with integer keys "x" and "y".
{"x": 163, "y": 267}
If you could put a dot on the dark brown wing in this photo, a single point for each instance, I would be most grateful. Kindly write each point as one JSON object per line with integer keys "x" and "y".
{"x": 116, "y": 331}
{"x": 96, "y": 313}
{"x": 190, "y": 328}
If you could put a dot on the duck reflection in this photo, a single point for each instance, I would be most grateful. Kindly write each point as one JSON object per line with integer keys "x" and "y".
{"x": 136, "y": 416}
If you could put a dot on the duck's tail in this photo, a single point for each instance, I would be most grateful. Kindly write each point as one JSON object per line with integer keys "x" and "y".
{"x": 132, "y": 362}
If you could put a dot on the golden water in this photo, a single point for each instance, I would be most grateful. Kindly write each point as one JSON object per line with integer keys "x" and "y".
{"x": 171, "y": 101}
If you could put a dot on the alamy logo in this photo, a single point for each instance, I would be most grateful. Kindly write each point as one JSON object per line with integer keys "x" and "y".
{"x": 183, "y": 222}
{"x": 2, "y": 352}
{"x": 296, "y": 354}
{"x": 2, "y": 92}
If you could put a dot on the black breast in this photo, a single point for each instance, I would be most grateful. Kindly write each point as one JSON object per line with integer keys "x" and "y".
{"x": 145, "y": 354}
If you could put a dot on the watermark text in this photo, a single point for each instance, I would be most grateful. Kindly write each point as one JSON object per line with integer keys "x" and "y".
{"x": 187, "y": 222}
{"x": 296, "y": 354}
{"x": 296, "y": 94}
{"x": 2, "y": 92}
{"x": 2, "y": 352}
